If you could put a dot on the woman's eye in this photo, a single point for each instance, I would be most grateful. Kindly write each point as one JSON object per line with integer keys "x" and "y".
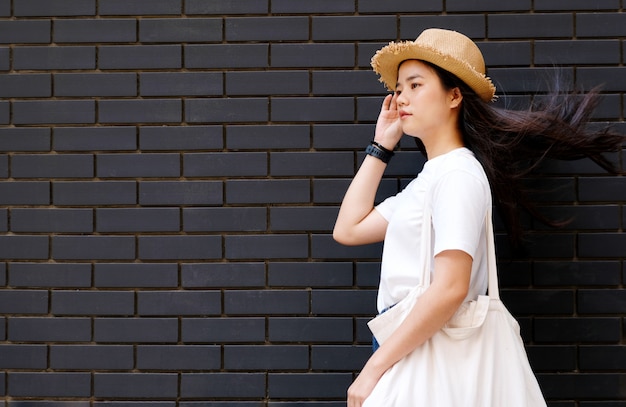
{"x": 398, "y": 92}
{"x": 414, "y": 85}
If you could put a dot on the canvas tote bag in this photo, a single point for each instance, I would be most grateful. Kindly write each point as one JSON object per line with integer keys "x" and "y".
{"x": 477, "y": 359}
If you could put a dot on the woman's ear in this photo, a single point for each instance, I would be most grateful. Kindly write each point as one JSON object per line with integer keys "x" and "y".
{"x": 456, "y": 97}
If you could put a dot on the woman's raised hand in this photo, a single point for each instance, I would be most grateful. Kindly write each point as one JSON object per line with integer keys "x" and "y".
{"x": 389, "y": 126}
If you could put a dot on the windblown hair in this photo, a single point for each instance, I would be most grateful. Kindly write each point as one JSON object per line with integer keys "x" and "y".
{"x": 510, "y": 144}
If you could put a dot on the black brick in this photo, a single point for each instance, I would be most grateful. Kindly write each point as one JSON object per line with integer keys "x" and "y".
{"x": 611, "y": 357}
{"x": 266, "y": 28}
{"x": 226, "y": 56}
{"x": 577, "y": 52}
{"x": 223, "y": 330}
{"x": 318, "y": 163}
{"x": 314, "y": 329}
{"x": 226, "y": 110}
{"x": 275, "y": 357}
{"x": 267, "y": 83}
{"x": 135, "y": 330}
{"x": 92, "y": 303}
{"x": 135, "y": 275}
{"x": 303, "y": 218}
{"x": 577, "y": 5}
{"x": 93, "y": 247}
{"x": 24, "y": 356}
{"x": 54, "y": 111}
{"x": 268, "y": 302}
{"x": 41, "y": 329}
{"x": 52, "y": 166}
{"x": 137, "y": 219}
{"x": 25, "y": 31}
{"x": 267, "y": 191}
{"x": 600, "y": 24}
{"x": 24, "y": 247}
{"x": 98, "y": 357}
{"x": 25, "y": 193}
{"x": 551, "y": 357}
{"x": 47, "y": 58}
{"x": 179, "y": 84}
{"x": 52, "y": 275}
{"x": 601, "y": 244}
{"x": 588, "y": 386}
{"x": 531, "y": 25}
{"x": 180, "y": 138}
{"x": 96, "y": 84}
{"x": 138, "y": 165}
{"x": 225, "y": 164}
{"x": 324, "y": 247}
{"x": 224, "y": 219}
{"x": 354, "y": 28}
{"x": 222, "y": 385}
{"x": 51, "y": 220}
{"x": 577, "y": 273}
{"x": 487, "y": 5}
{"x": 394, "y": 6}
{"x": 139, "y": 56}
{"x": 176, "y": 357}
{"x": 323, "y": 6}
{"x": 339, "y": 357}
{"x": 326, "y": 274}
{"x": 139, "y": 7}
{"x": 94, "y": 138}
{"x": 582, "y": 329}
{"x": 601, "y": 301}
{"x": 135, "y": 385}
{"x": 313, "y": 55}
{"x": 180, "y": 30}
{"x": 323, "y": 109}
{"x": 179, "y": 303}
{"x": 25, "y": 85}
{"x": 247, "y": 137}
{"x": 266, "y": 246}
{"x": 54, "y": 7}
{"x": 94, "y": 193}
{"x": 95, "y": 30}
{"x": 472, "y": 25}
{"x": 180, "y": 193}
{"x": 350, "y": 302}
{"x": 221, "y": 7}
{"x": 305, "y": 385}
{"x": 49, "y": 384}
{"x": 179, "y": 247}
{"x": 221, "y": 275}
{"x": 23, "y": 302}
{"x": 140, "y": 111}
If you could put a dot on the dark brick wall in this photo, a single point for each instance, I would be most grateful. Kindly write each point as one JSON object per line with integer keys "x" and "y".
{"x": 170, "y": 173}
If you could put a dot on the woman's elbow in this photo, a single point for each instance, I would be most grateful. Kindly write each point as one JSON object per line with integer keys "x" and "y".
{"x": 342, "y": 237}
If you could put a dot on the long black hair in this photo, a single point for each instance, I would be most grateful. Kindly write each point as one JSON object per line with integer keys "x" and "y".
{"x": 510, "y": 144}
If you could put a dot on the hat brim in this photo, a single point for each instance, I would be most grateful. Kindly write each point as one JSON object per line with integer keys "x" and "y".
{"x": 387, "y": 60}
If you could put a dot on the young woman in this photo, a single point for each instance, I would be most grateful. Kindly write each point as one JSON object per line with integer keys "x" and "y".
{"x": 442, "y": 97}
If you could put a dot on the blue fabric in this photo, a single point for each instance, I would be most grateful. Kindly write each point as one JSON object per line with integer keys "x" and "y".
{"x": 375, "y": 344}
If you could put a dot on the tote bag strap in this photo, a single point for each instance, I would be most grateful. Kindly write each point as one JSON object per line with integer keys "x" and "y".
{"x": 492, "y": 269}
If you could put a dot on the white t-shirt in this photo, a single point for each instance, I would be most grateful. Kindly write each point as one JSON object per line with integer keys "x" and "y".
{"x": 460, "y": 197}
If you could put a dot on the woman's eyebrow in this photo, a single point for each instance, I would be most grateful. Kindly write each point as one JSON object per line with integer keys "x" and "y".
{"x": 410, "y": 78}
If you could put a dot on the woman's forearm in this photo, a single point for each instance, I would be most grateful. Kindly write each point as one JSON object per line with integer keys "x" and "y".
{"x": 353, "y": 226}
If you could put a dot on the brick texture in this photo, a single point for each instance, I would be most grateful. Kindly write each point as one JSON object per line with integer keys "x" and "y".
{"x": 170, "y": 172}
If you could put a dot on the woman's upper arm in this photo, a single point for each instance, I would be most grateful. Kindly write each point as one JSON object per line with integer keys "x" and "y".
{"x": 370, "y": 229}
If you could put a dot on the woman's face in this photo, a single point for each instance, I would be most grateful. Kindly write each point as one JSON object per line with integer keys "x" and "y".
{"x": 424, "y": 105}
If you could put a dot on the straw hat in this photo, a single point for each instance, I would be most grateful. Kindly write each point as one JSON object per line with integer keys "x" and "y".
{"x": 447, "y": 49}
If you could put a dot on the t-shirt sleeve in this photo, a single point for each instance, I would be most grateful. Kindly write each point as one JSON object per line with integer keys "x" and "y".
{"x": 388, "y": 206}
{"x": 459, "y": 205}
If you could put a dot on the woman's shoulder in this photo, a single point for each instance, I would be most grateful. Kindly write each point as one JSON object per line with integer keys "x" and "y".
{"x": 460, "y": 160}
